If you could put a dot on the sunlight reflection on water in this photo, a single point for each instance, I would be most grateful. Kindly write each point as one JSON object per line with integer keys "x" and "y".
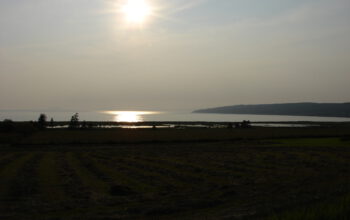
{"x": 129, "y": 116}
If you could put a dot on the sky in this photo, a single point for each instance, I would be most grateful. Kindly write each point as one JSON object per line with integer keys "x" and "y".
{"x": 188, "y": 54}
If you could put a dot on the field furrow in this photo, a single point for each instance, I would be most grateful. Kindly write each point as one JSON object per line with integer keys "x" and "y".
{"x": 22, "y": 186}
{"x": 140, "y": 173}
{"x": 92, "y": 177}
{"x": 182, "y": 177}
{"x": 120, "y": 175}
{"x": 197, "y": 169}
{"x": 70, "y": 182}
{"x": 9, "y": 171}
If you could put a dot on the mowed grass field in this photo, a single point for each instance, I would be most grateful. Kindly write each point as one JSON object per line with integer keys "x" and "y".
{"x": 271, "y": 179}
{"x": 118, "y": 136}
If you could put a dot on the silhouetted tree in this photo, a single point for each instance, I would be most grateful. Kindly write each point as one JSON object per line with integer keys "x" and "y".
{"x": 42, "y": 121}
{"x": 52, "y": 123}
{"x": 74, "y": 121}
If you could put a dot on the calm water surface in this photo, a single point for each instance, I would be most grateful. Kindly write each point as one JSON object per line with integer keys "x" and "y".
{"x": 138, "y": 116}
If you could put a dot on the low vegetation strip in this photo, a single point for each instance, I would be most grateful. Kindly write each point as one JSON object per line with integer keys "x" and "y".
{"x": 10, "y": 170}
{"x": 50, "y": 182}
{"x": 17, "y": 188}
{"x": 118, "y": 136}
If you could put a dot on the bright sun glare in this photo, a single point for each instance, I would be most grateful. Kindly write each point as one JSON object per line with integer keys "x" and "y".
{"x": 136, "y": 11}
{"x": 129, "y": 116}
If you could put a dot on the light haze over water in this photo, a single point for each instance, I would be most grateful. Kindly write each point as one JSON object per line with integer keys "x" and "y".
{"x": 159, "y": 116}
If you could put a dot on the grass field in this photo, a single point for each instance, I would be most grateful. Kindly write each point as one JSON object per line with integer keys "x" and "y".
{"x": 121, "y": 136}
{"x": 270, "y": 179}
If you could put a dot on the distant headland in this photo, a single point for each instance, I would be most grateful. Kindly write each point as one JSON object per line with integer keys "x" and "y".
{"x": 291, "y": 109}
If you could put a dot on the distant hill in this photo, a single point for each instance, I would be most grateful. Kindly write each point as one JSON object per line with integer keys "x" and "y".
{"x": 292, "y": 109}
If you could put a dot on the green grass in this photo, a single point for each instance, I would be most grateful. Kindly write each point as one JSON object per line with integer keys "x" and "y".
{"x": 84, "y": 169}
{"x": 9, "y": 171}
{"x": 50, "y": 179}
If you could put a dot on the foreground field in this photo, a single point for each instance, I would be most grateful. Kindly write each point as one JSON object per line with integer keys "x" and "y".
{"x": 273, "y": 179}
{"x": 122, "y": 136}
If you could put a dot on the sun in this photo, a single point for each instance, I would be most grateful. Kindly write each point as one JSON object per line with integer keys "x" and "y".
{"x": 136, "y": 11}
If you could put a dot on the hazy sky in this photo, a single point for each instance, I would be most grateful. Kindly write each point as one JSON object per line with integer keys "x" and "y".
{"x": 79, "y": 54}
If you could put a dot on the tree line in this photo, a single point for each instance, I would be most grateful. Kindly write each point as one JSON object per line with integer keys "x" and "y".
{"x": 8, "y": 125}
